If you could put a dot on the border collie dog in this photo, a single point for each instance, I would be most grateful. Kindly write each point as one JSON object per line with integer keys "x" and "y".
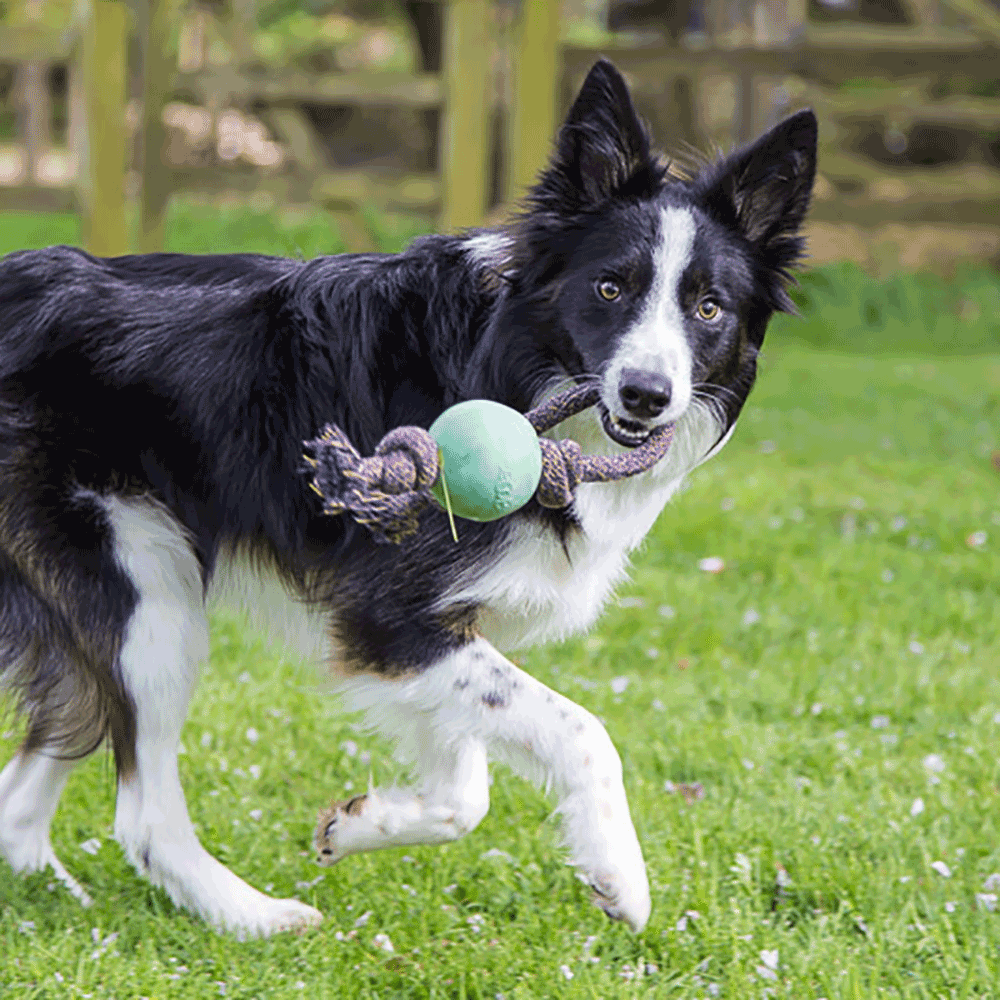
{"x": 153, "y": 411}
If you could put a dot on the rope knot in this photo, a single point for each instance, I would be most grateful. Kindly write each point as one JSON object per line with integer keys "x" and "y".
{"x": 562, "y": 463}
{"x": 409, "y": 460}
{"x": 386, "y": 492}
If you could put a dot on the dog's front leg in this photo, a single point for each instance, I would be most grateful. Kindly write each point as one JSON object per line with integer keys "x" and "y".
{"x": 475, "y": 697}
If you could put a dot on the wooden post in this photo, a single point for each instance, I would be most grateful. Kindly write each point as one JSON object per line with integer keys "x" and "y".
{"x": 159, "y": 64}
{"x": 777, "y": 24}
{"x": 76, "y": 128}
{"x": 535, "y": 93}
{"x": 467, "y": 82}
{"x": 35, "y": 106}
{"x": 35, "y": 114}
{"x": 105, "y": 232}
{"x": 242, "y": 19}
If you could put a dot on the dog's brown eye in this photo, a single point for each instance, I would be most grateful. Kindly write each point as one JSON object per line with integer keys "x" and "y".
{"x": 708, "y": 309}
{"x": 608, "y": 291}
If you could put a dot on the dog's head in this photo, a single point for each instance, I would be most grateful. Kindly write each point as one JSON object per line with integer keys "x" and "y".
{"x": 658, "y": 287}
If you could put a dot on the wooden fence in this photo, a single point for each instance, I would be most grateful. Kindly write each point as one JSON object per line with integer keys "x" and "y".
{"x": 464, "y": 91}
{"x": 757, "y": 46}
{"x": 753, "y": 45}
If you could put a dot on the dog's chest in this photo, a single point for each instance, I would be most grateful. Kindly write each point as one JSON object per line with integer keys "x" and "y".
{"x": 540, "y": 595}
{"x": 535, "y": 590}
{"x": 538, "y": 591}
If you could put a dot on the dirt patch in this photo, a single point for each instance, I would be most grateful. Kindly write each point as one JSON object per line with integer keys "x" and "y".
{"x": 881, "y": 250}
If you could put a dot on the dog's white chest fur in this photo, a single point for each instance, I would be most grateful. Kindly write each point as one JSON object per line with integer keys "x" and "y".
{"x": 538, "y": 591}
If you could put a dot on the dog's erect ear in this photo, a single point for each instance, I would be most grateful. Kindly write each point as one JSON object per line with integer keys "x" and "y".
{"x": 765, "y": 188}
{"x": 602, "y": 150}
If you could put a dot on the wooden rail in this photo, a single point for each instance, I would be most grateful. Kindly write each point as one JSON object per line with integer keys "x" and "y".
{"x": 409, "y": 90}
{"x": 833, "y": 61}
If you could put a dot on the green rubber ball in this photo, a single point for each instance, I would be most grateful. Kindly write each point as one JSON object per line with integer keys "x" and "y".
{"x": 491, "y": 459}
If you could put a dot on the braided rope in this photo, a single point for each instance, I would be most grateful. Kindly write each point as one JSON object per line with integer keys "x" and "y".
{"x": 388, "y": 491}
{"x": 564, "y": 466}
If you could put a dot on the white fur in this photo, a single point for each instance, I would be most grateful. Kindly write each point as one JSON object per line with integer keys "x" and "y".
{"x": 533, "y": 592}
{"x": 452, "y": 797}
{"x": 488, "y": 249}
{"x": 30, "y": 786}
{"x": 166, "y": 641}
{"x": 657, "y": 342}
{"x": 475, "y": 698}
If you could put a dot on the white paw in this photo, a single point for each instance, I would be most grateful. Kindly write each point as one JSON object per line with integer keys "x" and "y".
{"x": 272, "y": 917}
{"x": 621, "y": 898}
{"x": 38, "y": 858}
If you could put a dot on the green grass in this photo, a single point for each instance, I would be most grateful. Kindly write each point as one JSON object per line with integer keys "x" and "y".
{"x": 841, "y": 667}
{"x": 907, "y": 313}
{"x": 193, "y": 227}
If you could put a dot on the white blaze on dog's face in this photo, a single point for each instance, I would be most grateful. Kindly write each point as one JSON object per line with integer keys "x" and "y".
{"x": 648, "y": 379}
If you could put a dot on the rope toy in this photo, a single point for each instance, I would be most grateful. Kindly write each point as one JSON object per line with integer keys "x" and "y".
{"x": 480, "y": 459}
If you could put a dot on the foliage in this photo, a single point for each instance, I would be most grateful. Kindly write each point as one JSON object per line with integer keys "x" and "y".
{"x": 847, "y": 309}
{"x": 50, "y": 14}
{"x": 809, "y": 736}
{"x": 319, "y": 36}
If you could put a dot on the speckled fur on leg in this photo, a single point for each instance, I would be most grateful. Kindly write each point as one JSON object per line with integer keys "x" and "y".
{"x": 477, "y": 695}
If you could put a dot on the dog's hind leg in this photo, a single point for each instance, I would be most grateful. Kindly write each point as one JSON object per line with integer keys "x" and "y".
{"x": 30, "y": 786}
{"x": 475, "y": 699}
{"x": 166, "y": 640}
{"x": 42, "y": 666}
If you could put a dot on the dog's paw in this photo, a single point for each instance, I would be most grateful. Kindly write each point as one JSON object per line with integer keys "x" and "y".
{"x": 274, "y": 916}
{"x": 328, "y": 825}
{"x": 621, "y": 898}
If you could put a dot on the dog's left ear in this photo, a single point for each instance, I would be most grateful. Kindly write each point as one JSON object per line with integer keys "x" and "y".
{"x": 765, "y": 189}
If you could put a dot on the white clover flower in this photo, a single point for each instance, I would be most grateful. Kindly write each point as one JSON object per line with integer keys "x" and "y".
{"x": 383, "y": 942}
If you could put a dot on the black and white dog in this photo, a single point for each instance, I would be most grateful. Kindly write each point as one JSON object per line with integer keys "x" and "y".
{"x": 152, "y": 415}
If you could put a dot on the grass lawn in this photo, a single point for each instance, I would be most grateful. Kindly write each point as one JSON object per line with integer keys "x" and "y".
{"x": 810, "y": 736}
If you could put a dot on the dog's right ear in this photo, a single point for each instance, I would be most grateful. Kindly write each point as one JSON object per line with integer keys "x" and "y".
{"x": 602, "y": 150}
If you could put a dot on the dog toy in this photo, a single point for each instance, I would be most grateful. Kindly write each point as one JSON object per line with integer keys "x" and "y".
{"x": 480, "y": 459}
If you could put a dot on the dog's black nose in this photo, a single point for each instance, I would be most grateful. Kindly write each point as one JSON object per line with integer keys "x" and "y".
{"x": 644, "y": 394}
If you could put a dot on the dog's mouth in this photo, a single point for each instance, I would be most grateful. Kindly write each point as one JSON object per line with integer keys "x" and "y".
{"x": 630, "y": 433}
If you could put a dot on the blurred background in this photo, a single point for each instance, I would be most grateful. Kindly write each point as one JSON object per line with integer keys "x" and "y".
{"x": 362, "y": 122}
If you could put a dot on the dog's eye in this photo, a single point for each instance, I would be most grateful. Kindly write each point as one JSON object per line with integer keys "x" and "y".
{"x": 608, "y": 291}
{"x": 708, "y": 309}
